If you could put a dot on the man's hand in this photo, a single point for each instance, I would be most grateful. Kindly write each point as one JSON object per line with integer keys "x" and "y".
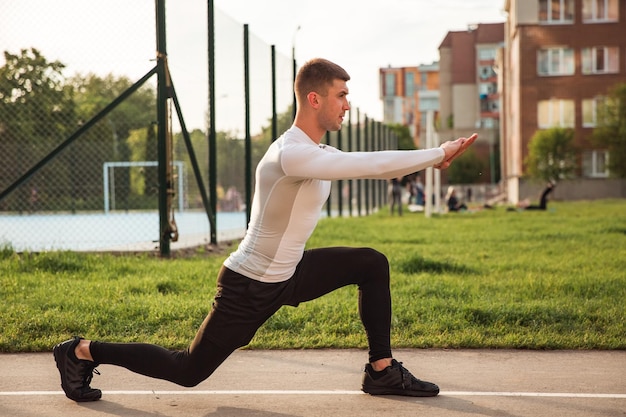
{"x": 453, "y": 149}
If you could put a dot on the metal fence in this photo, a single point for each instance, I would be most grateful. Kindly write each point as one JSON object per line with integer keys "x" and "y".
{"x": 72, "y": 180}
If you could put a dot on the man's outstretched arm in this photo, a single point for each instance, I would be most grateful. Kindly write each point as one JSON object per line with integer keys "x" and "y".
{"x": 454, "y": 149}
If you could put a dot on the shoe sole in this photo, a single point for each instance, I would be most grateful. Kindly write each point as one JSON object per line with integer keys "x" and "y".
{"x": 60, "y": 357}
{"x": 402, "y": 392}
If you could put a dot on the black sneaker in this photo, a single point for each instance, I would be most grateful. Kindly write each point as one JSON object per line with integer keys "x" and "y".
{"x": 396, "y": 380}
{"x": 75, "y": 373}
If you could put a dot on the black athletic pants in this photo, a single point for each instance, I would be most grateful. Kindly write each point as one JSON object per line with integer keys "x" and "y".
{"x": 543, "y": 201}
{"x": 242, "y": 305}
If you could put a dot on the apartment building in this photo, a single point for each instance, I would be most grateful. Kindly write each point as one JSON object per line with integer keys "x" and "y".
{"x": 560, "y": 58}
{"x": 408, "y": 93}
{"x": 468, "y": 87}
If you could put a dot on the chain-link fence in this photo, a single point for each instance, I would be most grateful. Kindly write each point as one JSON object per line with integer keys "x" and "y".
{"x": 69, "y": 181}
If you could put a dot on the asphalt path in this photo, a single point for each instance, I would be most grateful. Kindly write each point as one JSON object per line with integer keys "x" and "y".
{"x": 293, "y": 383}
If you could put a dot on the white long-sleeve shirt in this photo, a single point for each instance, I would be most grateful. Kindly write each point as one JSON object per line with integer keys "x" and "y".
{"x": 292, "y": 185}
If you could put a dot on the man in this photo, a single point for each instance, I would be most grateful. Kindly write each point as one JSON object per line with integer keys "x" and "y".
{"x": 270, "y": 268}
{"x": 396, "y": 195}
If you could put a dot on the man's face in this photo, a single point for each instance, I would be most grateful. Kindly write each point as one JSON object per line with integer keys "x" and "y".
{"x": 334, "y": 105}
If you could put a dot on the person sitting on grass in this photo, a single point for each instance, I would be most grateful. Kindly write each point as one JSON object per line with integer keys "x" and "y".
{"x": 453, "y": 202}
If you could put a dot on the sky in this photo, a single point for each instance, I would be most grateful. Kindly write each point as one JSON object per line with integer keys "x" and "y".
{"x": 360, "y": 35}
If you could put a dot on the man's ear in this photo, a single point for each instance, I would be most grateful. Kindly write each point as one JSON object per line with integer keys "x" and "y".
{"x": 313, "y": 99}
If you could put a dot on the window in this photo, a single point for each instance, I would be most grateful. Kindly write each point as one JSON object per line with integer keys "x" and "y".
{"x": 595, "y": 164}
{"x": 390, "y": 84}
{"x": 487, "y": 88}
{"x": 555, "y": 113}
{"x": 389, "y": 109}
{"x": 410, "y": 84}
{"x": 488, "y": 123}
{"x": 555, "y": 61}
{"x": 600, "y": 11}
{"x": 486, "y": 72}
{"x": 590, "y": 111}
{"x": 600, "y": 60}
{"x": 486, "y": 54}
{"x": 556, "y": 11}
{"x": 487, "y": 105}
{"x": 424, "y": 81}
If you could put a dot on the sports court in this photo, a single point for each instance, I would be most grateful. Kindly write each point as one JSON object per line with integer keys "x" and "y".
{"x": 119, "y": 231}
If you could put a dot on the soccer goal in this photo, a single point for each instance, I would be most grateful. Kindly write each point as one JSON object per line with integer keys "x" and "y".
{"x": 108, "y": 180}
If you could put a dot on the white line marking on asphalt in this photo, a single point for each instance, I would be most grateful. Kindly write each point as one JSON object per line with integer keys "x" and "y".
{"x": 321, "y": 392}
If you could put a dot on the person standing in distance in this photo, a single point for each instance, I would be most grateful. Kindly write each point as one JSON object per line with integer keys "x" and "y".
{"x": 271, "y": 267}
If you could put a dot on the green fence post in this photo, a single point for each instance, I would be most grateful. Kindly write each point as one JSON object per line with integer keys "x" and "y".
{"x": 163, "y": 157}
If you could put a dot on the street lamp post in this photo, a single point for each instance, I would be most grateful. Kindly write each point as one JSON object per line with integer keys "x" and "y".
{"x": 295, "y": 69}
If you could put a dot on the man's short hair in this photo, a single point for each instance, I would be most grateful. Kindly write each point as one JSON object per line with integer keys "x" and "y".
{"x": 317, "y": 75}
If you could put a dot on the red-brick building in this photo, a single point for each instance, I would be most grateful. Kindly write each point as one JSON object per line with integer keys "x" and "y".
{"x": 468, "y": 90}
{"x": 560, "y": 58}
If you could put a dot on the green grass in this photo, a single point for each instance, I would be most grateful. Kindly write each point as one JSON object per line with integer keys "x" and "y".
{"x": 488, "y": 279}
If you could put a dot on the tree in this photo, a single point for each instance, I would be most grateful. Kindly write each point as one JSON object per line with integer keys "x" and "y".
{"x": 144, "y": 180}
{"x": 467, "y": 169}
{"x": 551, "y": 154}
{"x": 36, "y": 113}
{"x": 405, "y": 141}
{"x": 33, "y": 95}
{"x": 151, "y": 176}
{"x": 230, "y": 161}
{"x": 200, "y": 147}
{"x": 611, "y": 129}
{"x": 108, "y": 140}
